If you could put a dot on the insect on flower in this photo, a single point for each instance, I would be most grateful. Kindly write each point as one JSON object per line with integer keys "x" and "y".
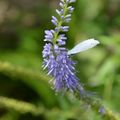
{"x": 83, "y": 46}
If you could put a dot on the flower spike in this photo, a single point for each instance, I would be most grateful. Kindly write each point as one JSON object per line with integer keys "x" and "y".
{"x": 56, "y": 57}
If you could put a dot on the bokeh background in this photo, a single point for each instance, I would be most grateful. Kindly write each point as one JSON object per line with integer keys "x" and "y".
{"x": 25, "y": 93}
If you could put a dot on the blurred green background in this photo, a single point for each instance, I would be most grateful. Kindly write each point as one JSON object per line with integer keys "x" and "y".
{"x": 25, "y": 93}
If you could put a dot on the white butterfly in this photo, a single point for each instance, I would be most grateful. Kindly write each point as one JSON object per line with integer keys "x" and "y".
{"x": 83, "y": 46}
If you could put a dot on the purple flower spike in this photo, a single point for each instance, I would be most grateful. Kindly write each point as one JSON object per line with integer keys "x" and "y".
{"x": 56, "y": 59}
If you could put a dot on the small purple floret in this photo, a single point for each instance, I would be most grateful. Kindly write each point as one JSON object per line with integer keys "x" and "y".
{"x": 102, "y": 110}
{"x": 48, "y": 35}
{"x": 64, "y": 28}
{"x": 54, "y": 20}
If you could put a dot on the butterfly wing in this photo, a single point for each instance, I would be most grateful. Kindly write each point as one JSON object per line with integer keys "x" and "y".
{"x": 83, "y": 46}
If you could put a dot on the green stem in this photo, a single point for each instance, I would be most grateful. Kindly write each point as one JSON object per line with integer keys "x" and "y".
{"x": 25, "y": 107}
{"x": 60, "y": 22}
{"x": 96, "y": 104}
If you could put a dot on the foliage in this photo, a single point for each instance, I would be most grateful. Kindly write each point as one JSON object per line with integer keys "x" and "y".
{"x": 25, "y": 93}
